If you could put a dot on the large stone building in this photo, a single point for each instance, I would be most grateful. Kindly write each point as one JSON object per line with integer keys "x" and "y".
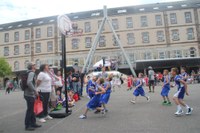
{"x": 151, "y": 35}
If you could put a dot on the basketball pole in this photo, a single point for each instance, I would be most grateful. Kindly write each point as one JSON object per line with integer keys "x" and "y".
{"x": 65, "y": 71}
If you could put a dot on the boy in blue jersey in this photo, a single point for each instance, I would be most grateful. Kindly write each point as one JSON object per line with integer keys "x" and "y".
{"x": 139, "y": 90}
{"x": 94, "y": 103}
{"x": 183, "y": 74}
{"x": 179, "y": 95}
{"x": 166, "y": 88}
{"x": 91, "y": 87}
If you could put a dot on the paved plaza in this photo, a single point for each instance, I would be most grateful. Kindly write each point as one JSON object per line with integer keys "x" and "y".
{"x": 123, "y": 117}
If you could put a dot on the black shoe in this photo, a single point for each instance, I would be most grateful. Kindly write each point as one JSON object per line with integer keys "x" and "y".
{"x": 36, "y": 126}
{"x": 29, "y": 128}
{"x": 97, "y": 112}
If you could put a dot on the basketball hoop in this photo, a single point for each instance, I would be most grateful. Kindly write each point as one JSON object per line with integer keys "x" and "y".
{"x": 67, "y": 27}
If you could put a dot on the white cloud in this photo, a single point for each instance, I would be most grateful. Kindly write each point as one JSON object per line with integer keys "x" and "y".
{"x": 16, "y": 10}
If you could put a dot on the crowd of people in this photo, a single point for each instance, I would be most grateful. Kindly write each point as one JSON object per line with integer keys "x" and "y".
{"x": 49, "y": 86}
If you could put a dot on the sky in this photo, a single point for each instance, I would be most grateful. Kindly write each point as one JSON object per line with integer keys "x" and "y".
{"x": 18, "y": 10}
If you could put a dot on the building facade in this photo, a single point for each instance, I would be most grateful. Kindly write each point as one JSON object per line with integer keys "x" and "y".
{"x": 154, "y": 32}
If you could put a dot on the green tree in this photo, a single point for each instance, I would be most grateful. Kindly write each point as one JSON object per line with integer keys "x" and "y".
{"x": 5, "y": 68}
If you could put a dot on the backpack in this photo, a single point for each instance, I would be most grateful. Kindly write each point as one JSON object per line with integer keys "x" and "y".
{"x": 23, "y": 83}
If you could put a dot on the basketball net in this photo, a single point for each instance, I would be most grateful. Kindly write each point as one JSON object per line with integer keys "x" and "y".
{"x": 67, "y": 27}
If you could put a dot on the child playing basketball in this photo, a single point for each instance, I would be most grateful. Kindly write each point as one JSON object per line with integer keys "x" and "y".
{"x": 94, "y": 103}
{"x": 166, "y": 88}
{"x": 139, "y": 90}
{"x": 179, "y": 95}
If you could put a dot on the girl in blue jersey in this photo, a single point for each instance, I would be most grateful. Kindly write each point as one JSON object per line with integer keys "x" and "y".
{"x": 166, "y": 88}
{"x": 183, "y": 74}
{"x": 179, "y": 95}
{"x": 94, "y": 103}
{"x": 106, "y": 96}
{"x": 91, "y": 87}
{"x": 139, "y": 90}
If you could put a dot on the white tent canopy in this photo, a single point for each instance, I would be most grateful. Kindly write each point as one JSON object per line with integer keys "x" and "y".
{"x": 107, "y": 63}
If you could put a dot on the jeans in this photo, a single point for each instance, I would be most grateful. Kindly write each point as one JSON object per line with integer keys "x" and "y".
{"x": 45, "y": 100}
{"x": 75, "y": 86}
{"x": 30, "y": 116}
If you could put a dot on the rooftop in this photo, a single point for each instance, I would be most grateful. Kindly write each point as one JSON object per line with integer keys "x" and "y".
{"x": 99, "y": 13}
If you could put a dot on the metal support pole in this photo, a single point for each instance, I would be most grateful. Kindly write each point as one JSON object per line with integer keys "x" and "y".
{"x": 121, "y": 47}
{"x": 65, "y": 70}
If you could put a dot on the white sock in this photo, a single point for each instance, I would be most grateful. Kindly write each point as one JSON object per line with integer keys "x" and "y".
{"x": 187, "y": 107}
{"x": 179, "y": 107}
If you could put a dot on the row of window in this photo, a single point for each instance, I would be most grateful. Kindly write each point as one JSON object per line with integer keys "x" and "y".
{"x": 131, "y": 38}
{"x": 27, "y": 34}
{"x": 143, "y": 21}
{"x": 27, "y": 48}
{"x": 17, "y": 64}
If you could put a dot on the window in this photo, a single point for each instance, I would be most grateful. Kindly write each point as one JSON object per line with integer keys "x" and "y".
{"x": 38, "y": 48}
{"x": 38, "y": 33}
{"x": 102, "y": 41}
{"x": 130, "y": 38}
{"x": 88, "y": 42}
{"x": 190, "y": 34}
{"x": 177, "y": 54}
{"x": 16, "y": 50}
{"x": 158, "y": 20}
{"x": 147, "y": 55}
{"x": 87, "y": 27}
{"x": 115, "y": 43}
{"x": 160, "y": 36}
{"x": 129, "y": 22}
{"x": 49, "y": 31}
{"x": 192, "y": 52}
{"x": 99, "y": 24}
{"x": 16, "y": 66}
{"x": 143, "y": 20}
{"x": 6, "y": 37}
{"x": 75, "y": 42}
{"x": 26, "y": 49}
{"x": 27, "y": 34}
{"x": 131, "y": 57}
{"x": 16, "y": 36}
{"x": 145, "y": 37}
{"x": 115, "y": 24}
{"x": 161, "y": 55}
{"x": 49, "y": 46}
{"x": 173, "y": 18}
{"x": 26, "y": 64}
{"x": 175, "y": 35}
{"x": 37, "y": 62}
{"x": 6, "y": 51}
{"x": 188, "y": 17}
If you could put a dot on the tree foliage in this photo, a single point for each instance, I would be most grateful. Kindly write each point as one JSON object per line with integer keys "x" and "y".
{"x": 5, "y": 68}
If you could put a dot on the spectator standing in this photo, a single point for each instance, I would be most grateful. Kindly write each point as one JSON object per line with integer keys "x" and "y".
{"x": 75, "y": 81}
{"x": 44, "y": 88}
{"x": 151, "y": 77}
{"x": 30, "y": 94}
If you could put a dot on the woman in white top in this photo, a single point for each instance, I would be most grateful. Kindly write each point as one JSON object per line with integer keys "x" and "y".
{"x": 44, "y": 89}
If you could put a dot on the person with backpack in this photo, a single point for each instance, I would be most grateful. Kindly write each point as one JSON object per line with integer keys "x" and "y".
{"x": 28, "y": 83}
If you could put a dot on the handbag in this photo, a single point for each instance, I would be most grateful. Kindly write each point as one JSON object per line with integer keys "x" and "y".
{"x": 38, "y": 106}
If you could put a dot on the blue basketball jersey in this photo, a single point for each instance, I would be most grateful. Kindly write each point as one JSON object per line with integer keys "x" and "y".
{"x": 177, "y": 81}
{"x": 165, "y": 80}
{"x": 138, "y": 83}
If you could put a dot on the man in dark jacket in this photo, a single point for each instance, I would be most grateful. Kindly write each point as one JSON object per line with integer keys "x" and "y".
{"x": 30, "y": 94}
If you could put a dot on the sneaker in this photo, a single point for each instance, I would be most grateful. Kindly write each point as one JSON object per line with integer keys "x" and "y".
{"x": 179, "y": 112}
{"x": 164, "y": 103}
{"x": 103, "y": 112}
{"x": 148, "y": 99}
{"x": 49, "y": 117}
{"x": 29, "y": 128}
{"x": 106, "y": 110}
{"x": 169, "y": 103}
{"x": 42, "y": 120}
{"x": 82, "y": 117}
{"x": 132, "y": 101}
{"x": 36, "y": 126}
{"x": 97, "y": 112}
{"x": 189, "y": 111}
